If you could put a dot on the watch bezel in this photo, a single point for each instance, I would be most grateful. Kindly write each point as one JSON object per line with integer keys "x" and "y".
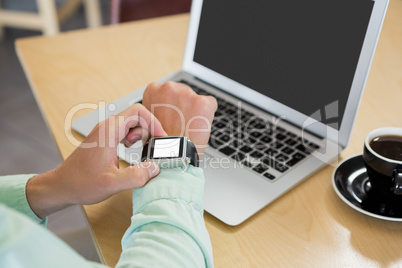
{"x": 172, "y": 161}
{"x": 182, "y": 147}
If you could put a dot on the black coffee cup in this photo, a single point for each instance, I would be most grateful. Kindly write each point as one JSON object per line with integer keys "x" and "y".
{"x": 383, "y": 160}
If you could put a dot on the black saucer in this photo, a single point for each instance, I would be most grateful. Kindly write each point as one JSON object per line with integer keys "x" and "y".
{"x": 352, "y": 185}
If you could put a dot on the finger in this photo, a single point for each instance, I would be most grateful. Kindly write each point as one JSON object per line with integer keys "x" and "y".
{"x": 136, "y": 134}
{"x": 138, "y": 115}
{"x": 153, "y": 85}
{"x": 150, "y": 91}
{"x": 213, "y": 102}
{"x": 135, "y": 116}
{"x": 177, "y": 88}
{"x": 138, "y": 175}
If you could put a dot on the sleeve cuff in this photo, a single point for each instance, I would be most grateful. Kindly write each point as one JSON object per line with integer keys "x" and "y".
{"x": 13, "y": 194}
{"x": 176, "y": 183}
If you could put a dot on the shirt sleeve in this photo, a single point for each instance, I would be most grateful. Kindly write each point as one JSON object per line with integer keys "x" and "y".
{"x": 167, "y": 227}
{"x": 13, "y": 195}
{"x": 23, "y": 242}
{"x": 26, "y": 244}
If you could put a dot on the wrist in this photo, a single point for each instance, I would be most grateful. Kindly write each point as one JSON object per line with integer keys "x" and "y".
{"x": 44, "y": 195}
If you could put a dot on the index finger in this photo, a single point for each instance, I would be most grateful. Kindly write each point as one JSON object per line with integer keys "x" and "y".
{"x": 137, "y": 116}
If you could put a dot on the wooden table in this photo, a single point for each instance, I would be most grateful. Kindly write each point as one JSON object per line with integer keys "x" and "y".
{"x": 310, "y": 226}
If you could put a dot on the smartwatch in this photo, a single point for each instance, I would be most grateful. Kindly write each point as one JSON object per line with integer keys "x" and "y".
{"x": 170, "y": 152}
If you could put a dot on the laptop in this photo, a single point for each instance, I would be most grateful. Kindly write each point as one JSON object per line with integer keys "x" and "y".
{"x": 288, "y": 77}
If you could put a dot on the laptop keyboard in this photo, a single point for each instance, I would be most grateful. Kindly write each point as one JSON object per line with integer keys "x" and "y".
{"x": 254, "y": 142}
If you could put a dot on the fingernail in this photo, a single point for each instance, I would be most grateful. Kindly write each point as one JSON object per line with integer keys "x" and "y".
{"x": 153, "y": 169}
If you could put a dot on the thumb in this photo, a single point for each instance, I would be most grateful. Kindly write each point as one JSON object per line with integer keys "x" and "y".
{"x": 138, "y": 175}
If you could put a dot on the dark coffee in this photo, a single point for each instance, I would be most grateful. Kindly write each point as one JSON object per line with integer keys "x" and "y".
{"x": 389, "y": 146}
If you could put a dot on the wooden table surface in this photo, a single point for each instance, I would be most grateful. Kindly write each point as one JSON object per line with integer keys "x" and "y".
{"x": 308, "y": 227}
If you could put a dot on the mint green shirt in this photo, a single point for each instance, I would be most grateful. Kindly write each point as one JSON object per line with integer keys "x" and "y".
{"x": 167, "y": 227}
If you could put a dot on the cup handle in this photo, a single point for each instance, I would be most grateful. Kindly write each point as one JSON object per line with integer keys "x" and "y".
{"x": 398, "y": 182}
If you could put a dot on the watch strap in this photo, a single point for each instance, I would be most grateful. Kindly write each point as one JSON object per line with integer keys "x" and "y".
{"x": 144, "y": 152}
{"x": 192, "y": 154}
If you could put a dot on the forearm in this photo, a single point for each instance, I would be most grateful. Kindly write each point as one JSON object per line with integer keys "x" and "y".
{"x": 168, "y": 228}
{"x": 45, "y": 195}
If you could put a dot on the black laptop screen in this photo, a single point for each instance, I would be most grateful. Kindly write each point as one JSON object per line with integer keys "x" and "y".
{"x": 300, "y": 53}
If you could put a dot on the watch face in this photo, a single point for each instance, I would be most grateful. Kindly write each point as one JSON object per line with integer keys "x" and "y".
{"x": 167, "y": 147}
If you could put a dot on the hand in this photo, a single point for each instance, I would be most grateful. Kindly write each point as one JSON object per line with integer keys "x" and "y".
{"x": 91, "y": 173}
{"x": 181, "y": 111}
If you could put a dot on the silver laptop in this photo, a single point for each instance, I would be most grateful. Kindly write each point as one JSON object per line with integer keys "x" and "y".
{"x": 288, "y": 77}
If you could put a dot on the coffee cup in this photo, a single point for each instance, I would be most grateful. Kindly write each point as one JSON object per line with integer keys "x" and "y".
{"x": 383, "y": 160}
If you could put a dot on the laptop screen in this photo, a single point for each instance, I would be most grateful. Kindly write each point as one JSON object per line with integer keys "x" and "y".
{"x": 300, "y": 53}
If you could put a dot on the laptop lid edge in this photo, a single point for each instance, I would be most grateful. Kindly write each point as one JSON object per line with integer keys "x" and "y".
{"x": 341, "y": 136}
